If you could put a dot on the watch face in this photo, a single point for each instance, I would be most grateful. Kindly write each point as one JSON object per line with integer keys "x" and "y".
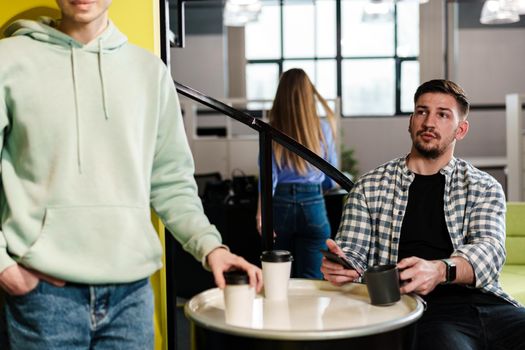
{"x": 451, "y": 273}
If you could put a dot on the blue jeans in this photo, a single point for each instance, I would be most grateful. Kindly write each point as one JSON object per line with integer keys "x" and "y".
{"x": 301, "y": 225}
{"x": 116, "y": 316}
{"x": 471, "y": 327}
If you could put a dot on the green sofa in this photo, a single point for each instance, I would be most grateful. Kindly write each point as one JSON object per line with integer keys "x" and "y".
{"x": 513, "y": 275}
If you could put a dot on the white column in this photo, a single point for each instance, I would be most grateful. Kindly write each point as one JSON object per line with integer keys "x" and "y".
{"x": 515, "y": 150}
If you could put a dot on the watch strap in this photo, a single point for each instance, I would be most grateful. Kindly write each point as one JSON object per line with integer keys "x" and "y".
{"x": 450, "y": 275}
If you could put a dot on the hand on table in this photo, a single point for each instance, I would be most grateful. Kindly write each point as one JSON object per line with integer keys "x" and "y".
{"x": 221, "y": 260}
{"x": 335, "y": 273}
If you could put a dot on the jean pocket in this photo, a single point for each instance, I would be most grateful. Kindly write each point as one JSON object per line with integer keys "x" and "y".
{"x": 316, "y": 219}
{"x": 283, "y": 217}
{"x": 29, "y": 294}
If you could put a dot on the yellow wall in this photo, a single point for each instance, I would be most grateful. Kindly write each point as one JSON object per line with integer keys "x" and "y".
{"x": 139, "y": 20}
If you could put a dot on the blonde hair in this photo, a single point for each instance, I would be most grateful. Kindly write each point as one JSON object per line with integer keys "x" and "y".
{"x": 294, "y": 112}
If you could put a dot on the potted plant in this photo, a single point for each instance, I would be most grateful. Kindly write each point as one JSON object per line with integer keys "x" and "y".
{"x": 349, "y": 163}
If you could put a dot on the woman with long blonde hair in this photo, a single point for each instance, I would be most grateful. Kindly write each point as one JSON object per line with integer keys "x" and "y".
{"x": 300, "y": 220}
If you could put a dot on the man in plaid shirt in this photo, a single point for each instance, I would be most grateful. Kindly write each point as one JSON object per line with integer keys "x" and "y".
{"x": 442, "y": 221}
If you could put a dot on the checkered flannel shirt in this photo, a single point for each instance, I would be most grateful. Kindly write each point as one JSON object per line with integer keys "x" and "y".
{"x": 474, "y": 212}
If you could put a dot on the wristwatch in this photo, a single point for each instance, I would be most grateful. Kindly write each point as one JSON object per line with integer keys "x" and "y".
{"x": 451, "y": 271}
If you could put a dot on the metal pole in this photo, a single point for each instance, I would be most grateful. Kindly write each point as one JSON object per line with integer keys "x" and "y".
{"x": 265, "y": 151}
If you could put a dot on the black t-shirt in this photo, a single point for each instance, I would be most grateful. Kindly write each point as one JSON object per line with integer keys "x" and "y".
{"x": 424, "y": 231}
{"x": 424, "y": 234}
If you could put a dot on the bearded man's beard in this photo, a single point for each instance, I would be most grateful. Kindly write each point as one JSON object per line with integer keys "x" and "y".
{"x": 433, "y": 152}
{"x": 430, "y": 153}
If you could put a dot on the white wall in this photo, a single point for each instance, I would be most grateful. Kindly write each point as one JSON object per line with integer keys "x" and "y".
{"x": 491, "y": 63}
{"x": 201, "y": 64}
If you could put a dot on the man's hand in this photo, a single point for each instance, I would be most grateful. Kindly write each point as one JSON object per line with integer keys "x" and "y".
{"x": 17, "y": 280}
{"x": 421, "y": 276}
{"x": 333, "y": 272}
{"x": 221, "y": 260}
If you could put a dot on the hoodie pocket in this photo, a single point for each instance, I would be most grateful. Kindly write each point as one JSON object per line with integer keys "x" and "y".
{"x": 84, "y": 239}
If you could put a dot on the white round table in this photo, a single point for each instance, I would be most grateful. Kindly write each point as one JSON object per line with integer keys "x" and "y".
{"x": 317, "y": 315}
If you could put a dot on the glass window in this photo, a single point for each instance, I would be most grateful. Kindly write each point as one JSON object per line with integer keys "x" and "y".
{"x": 298, "y": 30}
{"x": 261, "y": 84}
{"x": 409, "y": 84}
{"x": 374, "y": 66}
{"x": 326, "y": 78}
{"x": 263, "y": 38}
{"x": 368, "y": 87}
{"x": 326, "y": 28}
{"x": 407, "y": 29}
{"x": 367, "y": 28}
{"x": 305, "y": 29}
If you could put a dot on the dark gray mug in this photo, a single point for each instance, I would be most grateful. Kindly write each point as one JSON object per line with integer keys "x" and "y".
{"x": 382, "y": 282}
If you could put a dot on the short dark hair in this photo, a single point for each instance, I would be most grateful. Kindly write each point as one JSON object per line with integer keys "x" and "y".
{"x": 445, "y": 87}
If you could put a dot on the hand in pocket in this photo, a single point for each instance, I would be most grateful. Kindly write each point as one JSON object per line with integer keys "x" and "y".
{"x": 18, "y": 280}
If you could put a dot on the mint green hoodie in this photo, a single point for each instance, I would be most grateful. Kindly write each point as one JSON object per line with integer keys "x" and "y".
{"x": 91, "y": 137}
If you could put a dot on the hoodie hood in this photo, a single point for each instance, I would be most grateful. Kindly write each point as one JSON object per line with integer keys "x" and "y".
{"x": 44, "y": 30}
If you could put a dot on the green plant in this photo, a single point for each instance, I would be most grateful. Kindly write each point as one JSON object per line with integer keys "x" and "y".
{"x": 348, "y": 162}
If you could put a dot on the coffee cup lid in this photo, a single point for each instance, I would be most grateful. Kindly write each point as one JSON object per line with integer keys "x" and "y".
{"x": 236, "y": 277}
{"x": 276, "y": 256}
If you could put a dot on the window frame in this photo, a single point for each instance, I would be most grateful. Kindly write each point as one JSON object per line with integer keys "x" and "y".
{"x": 339, "y": 58}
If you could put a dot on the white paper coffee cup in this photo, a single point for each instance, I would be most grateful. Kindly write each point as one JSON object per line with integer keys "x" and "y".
{"x": 276, "y": 267}
{"x": 238, "y": 299}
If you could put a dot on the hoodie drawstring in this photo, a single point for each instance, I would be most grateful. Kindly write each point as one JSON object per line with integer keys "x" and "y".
{"x": 77, "y": 111}
{"x": 102, "y": 84}
{"x": 75, "y": 92}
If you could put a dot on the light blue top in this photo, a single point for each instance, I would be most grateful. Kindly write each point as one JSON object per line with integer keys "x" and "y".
{"x": 313, "y": 175}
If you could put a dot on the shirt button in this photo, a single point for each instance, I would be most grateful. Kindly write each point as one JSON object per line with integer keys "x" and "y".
{"x": 395, "y": 239}
{"x": 400, "y": 213}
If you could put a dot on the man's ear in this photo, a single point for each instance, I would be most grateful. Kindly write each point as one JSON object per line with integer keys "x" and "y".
{"x": 410, "y": 123}
{"x": 462, "y": 130}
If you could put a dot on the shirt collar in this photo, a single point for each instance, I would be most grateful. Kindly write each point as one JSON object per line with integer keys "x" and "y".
{"x": 448, "y": 169}
{"x": 409, "y": 176}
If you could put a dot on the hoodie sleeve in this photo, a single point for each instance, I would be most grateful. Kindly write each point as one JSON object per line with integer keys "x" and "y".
{"x": 5, "y": 259}
{"x": 173, "y": 189}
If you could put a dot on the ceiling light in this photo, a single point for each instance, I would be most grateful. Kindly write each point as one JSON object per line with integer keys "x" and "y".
{"x": 239, "y": 12}
{"x": 420, "y": 1}
{"x": 499, "y": 12}
{"x": 378, "y": 11}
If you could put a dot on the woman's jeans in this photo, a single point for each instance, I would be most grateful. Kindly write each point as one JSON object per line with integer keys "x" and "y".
{"x": 301, "y": 225}
{"x": 80, "y": 317}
